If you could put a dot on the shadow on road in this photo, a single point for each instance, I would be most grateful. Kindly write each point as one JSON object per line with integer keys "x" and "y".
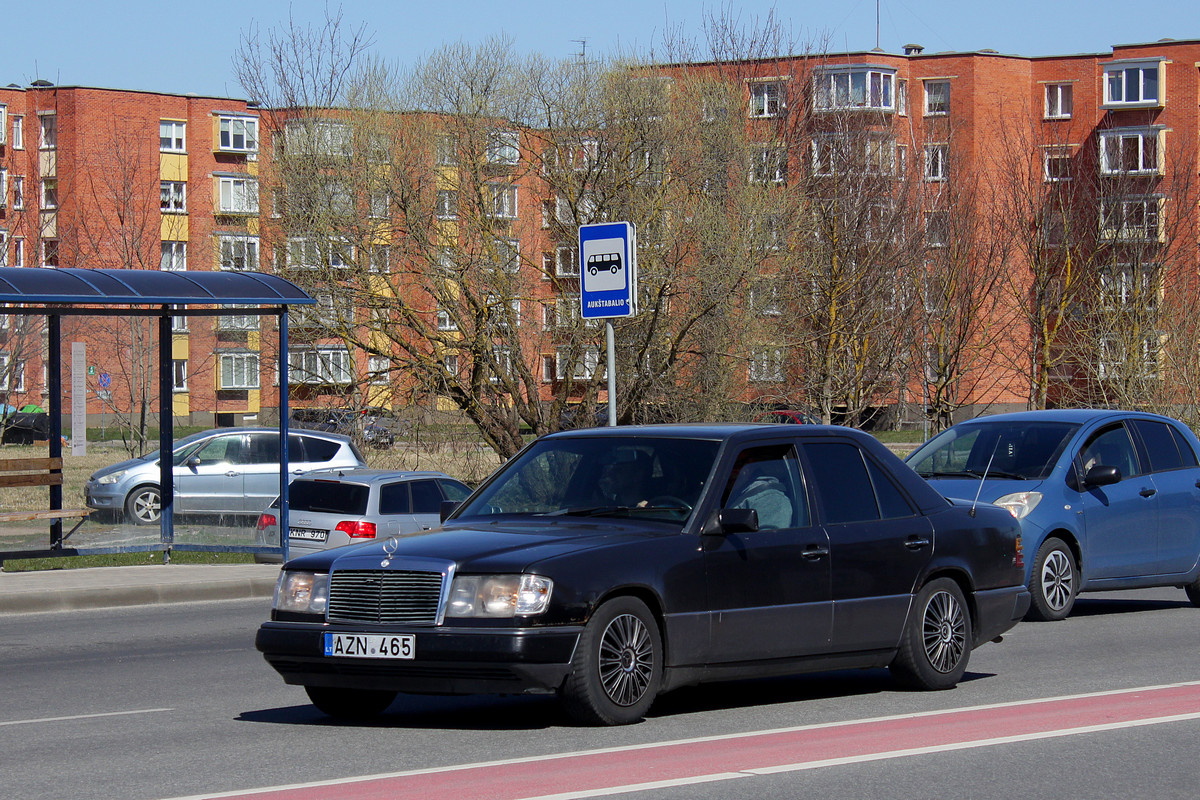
{"x": 1090, "y": 606}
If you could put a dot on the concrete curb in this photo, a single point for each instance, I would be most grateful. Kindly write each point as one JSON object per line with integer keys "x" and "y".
{"x": 115, "y": 587}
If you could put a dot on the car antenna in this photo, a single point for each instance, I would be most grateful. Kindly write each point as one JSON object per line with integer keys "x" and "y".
{"x": 983, "y": 478}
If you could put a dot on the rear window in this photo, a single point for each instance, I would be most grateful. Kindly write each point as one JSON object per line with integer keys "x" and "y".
{"x": 328, "y": 497}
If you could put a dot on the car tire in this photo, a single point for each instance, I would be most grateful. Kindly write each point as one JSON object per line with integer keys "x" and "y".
{"x": 349, "y": 703}
{"x": 1193, "y": 591}
{"x": 1054, "y": 583}
{"x": 617, "y": 667}
{"x": 143, "y": 506}
{"x": 937, "y": 639}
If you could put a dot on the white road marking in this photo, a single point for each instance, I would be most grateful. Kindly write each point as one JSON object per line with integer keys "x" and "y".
{"x": 82, "y": 716}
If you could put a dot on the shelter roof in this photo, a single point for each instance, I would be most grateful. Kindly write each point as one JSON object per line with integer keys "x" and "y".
{"x": 25, "y": 285}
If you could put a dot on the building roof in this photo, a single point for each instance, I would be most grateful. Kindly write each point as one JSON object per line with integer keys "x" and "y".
{"x": 145, "y": 287}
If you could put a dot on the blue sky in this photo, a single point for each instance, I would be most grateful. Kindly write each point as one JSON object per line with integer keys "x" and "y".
{"x": 170, "y": 46}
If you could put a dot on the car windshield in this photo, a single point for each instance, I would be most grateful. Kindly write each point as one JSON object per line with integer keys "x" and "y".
{"x": 634, "y": 476}
{"x": 1015, "y": 450}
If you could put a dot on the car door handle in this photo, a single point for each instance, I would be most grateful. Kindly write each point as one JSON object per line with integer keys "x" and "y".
{"x": 916, "y": 542}
{"x": 232, "y": 474}
{"x": 814, "y": 551}
{"x": 1148, "y": 492}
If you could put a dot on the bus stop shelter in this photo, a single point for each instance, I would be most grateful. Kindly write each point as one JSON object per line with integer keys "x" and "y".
{"x": 57, "y": 293}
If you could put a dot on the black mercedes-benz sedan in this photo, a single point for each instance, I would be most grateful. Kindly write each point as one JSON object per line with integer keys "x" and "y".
{"x": 609, "y": 565}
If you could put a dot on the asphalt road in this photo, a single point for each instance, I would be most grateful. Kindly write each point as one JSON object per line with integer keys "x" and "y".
{"x": 173, "y": 701}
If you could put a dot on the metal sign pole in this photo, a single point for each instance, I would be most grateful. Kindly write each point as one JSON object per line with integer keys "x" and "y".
{"x": 610, "y": 336}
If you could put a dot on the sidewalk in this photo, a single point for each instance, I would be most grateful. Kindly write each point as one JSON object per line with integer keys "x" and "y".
{"x": 110, "y": 587}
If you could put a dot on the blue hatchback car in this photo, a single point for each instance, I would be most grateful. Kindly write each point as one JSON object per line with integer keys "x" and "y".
{"x": 1106, "y": 499}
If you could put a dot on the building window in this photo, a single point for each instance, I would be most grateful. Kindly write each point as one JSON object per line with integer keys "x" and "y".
{"x": 450, "y": 364}
{"x": 238, "y": 252}
{"x": 379, "y": 258}
{"x": 566, "y": 262}
{"x": 1057, "y": 163}
{"x": 447, "y": 204}
{"x": 768, "y": 164}
{"x": 855, "y": 89}
{"x": 315, "y": 137}
{"x": 766, "y": 364}
{"x": 18, "y": 192}
{"x": 501, "y": 363}
{"x": 1130, "y": 152}
{"x": 768, "y": 99}
{"x": 174, "y": 257}
{"x": 503, "y": 147}
{"x": 445, "y": 322}
{"x": 172, "y": 197}
{"x": 1136, "y": 219}
{"x": 12, "y": 374}
{"x": 179, "y": 323}
{"x": 379, "y": 205}
{"x": 583, "y": 366}
{"x": 238, "y": 134}
{"x": 502, "y": 201}
{"x": 937, "y": 98}
{"x": 4, "y": 263}
{"x": 239, "y": 371}
{"x": 1059, "y": 100}
{"x": 1114, "y": 359}
{"x": 18, "y": 133}
{"x": 445, "y": 152}
{"x": 237, "y": 322}
{"x": 171, "y": 136}
{"x": 936, "y": 157}
{"x": 49, "y": 125}
{"x": 937, "y": 228}
{"x": 1130, "y": 286}
{"x": 3, "y": 187}
{"x": 506, "y": 255}
{"x": 902, "y": 98}
{"x": 237, "y": 195}
{"x": 49, "y": 194}
{"x": 321, "y": 366}
{"x": 1128, "y": 84}
{"x": 764, "y": 298}
{"x": 18, "y": 252}
{"x": 880, "y": 155}
{"x": 49, "y": 252}
{"x": 179, "y": 375}
{"x": 379, "y": 369}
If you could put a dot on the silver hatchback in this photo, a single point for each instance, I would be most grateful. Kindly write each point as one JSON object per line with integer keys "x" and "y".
{"x": 332, "y": 508}
{"x": 222, "y": 471}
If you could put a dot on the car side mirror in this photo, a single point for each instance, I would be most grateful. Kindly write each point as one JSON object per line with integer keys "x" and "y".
{"x": 1101, "y": 475}
{"x": 730, "y": 520}
{"x": 447, "y": 508}
{"x": 193, "y": 462}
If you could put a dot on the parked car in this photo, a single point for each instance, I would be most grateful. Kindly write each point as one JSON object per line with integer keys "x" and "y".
{"x": 332, "y": 508}
{"x": 612, "y": 564}
{"x": 364, "y": 425}
{"x": 1106, "y": 499}
{"x": 222, "y": 471}
{"x": 789, "y": 416}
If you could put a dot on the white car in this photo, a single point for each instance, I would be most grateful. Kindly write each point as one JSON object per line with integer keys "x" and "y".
{"x": 332, "y": 508}
{"x": 222, "y": 471}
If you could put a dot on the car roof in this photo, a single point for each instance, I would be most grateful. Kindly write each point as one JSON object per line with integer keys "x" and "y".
{"x": 369, "y": 475}
{"x": 262, "y": 429}
{"x": 1074, "y": 415}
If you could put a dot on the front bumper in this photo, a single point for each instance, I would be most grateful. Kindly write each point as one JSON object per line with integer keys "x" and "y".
{"x": 448, "y": 661}
{"x": 999, "y": 610}
{"x": 103, "y": 496}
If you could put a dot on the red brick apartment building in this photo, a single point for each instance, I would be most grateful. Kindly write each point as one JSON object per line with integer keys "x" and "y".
{"x": 1109, "y": 139}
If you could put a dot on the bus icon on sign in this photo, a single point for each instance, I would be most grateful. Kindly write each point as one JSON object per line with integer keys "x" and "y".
{"x": 604, "y": 267}
{"x": 604, "y": 262}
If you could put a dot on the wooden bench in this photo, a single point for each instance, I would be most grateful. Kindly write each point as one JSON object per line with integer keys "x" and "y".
{"x": 36, "y": 472}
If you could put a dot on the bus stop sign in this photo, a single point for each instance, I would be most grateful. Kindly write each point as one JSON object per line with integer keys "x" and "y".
{"x": 608, "y": 270}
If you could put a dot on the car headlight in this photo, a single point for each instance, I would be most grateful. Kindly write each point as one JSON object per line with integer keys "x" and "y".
{"x": 499, "y": 596}
{"x": 1019, "y": 504}
{"x": 111, "y": 478}
{"x": 302, "y": 592}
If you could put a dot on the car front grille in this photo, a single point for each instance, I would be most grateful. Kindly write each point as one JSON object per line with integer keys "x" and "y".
{"x": 385, "y": 597}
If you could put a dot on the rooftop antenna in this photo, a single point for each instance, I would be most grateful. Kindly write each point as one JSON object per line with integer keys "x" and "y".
{"x": 876, "y": 24}
{"x": 582, "y": 48}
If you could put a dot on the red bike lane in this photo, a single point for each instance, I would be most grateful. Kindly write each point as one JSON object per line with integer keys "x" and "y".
{"x": 592, "y": 773}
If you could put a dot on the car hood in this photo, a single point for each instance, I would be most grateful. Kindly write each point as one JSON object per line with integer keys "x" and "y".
{"x": 501, "y": 546}
{"x": 988, "y": 491}
{"x": 128, "y": 463}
